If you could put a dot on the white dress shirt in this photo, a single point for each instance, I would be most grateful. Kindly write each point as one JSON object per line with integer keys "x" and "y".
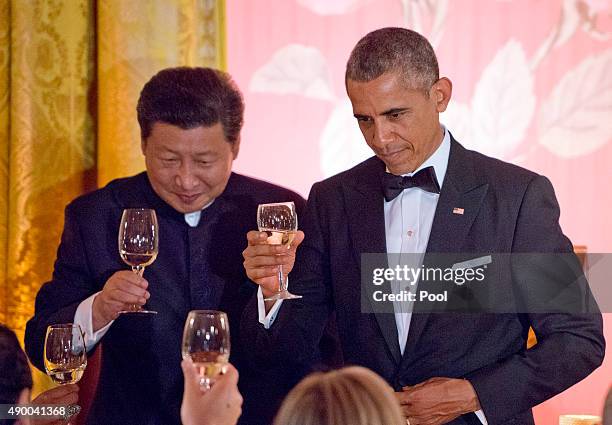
{"x": 408, "y": 220}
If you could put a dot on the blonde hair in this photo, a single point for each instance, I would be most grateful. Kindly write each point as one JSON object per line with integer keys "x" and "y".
{"x": 349, "y": 396}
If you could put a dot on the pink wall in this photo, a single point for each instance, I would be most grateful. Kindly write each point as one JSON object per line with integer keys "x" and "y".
{"x": 532, "y": 85}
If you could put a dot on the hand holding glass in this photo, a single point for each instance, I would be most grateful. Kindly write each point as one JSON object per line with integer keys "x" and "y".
{"x": 206, "y": 341}
{"x": 279, "y": 221}
{"x": 138, "y": 243}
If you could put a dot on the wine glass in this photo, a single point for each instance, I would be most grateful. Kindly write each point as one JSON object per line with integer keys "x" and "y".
{"x": 279, "y": 221}
{"x": 206, "y": 341}
{"x": 138, "y": 243}
{"x": 65, "y": 353}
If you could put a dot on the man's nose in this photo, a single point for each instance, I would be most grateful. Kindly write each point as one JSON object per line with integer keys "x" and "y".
{"x": 186, "y": 178}
{"x": 382, "y": 134}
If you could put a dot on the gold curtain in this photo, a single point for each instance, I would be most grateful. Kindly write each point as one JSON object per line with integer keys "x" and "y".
{"x": 4, "y": 150}
{"x": 50, "y": 141}
{"x": 70, "y": 75}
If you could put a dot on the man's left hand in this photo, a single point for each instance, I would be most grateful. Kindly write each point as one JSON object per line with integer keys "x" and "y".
{"x": 438, "y": 401}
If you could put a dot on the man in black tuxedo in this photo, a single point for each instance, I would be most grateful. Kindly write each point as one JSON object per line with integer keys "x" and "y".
{"x": 190, "y": 121}
{"x": 468, "y": 368}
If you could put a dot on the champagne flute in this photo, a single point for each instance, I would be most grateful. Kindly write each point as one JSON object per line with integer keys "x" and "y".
{"x": 138, "y": 243}
{"x": 65, "y": 354}
{"x": 279, "y": 221}
{"x": 206, "y": 341}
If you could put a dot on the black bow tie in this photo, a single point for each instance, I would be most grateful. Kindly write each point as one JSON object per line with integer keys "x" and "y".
{"x": 425, "y": 179}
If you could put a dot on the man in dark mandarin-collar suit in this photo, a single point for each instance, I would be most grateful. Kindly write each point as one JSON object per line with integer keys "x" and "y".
{"x": 468, "y": 368}
{"x": 190, "y": 121}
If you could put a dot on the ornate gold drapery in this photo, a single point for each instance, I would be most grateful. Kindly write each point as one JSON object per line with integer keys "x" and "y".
{"x": 50, "y": 139}
{"x": 70, "y": 75}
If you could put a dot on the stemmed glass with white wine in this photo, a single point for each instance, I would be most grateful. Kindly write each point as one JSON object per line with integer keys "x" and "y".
{"x": 65, "y": 358}
{"x": 206, "y": 341}
{"x": 279, "y": 221}
{"x": 138, "y": 243}
{"x": 65, "y": 354}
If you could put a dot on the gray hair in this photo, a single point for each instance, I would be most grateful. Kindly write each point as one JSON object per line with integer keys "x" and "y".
{"x": 394, "y": 50}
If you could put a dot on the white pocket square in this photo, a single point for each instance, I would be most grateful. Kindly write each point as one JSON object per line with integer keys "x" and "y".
{"x": 473, "y": 263}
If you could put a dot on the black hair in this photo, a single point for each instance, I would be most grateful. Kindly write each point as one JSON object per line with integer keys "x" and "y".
{"x": 15, "y": 375}
{"x": 191, "y": 97}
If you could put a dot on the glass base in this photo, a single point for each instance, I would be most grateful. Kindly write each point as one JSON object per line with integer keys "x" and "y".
{"x": 137, "y": 312}
{"x": 282, "y": 295}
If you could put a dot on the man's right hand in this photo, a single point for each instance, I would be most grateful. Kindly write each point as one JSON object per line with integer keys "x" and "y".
{"x": 122, "y": 290}
{"x": 63, "y": 395}
{"x": 261, "y": 260}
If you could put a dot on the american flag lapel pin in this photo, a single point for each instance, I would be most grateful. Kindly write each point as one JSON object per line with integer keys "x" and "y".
{"x": 459, "y": 211}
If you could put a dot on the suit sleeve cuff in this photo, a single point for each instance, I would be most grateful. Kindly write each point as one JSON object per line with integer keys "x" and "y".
{"x": 266, "y": 320}
{"x": 82, "y": 317}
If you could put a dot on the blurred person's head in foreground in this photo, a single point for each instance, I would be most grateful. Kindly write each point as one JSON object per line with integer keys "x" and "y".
{"x": 349, "y": 396}
{"x": 15, "y": 375}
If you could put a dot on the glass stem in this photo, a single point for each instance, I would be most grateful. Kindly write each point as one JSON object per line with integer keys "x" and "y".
{"x": 139, "y": 270}
{"x": 281, "y": 279}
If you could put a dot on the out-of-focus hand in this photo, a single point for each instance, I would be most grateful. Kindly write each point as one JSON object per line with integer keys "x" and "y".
{"x": 221, "y": 405}
{"x": 261, "y": 260}
{"x": 122, "y": 290}
{"x": 63, "y": 395}
{"x": 438, "y": 401}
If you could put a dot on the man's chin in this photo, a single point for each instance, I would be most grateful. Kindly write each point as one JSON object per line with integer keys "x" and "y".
{"x": 399, "y": 169}
{"x": 191, "y": 209}
{"x": 188, "y": 207}
{"x": 399, "y": 165}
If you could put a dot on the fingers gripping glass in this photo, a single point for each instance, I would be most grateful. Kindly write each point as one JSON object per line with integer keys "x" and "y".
{"x": 206, "y": 341}
{"x": 138, "y": 243}
{"x": 279, "y": 221}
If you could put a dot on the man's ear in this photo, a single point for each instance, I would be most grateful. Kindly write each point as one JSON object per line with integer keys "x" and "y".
{"x": 143, "y": 145}
{"x": 442, "y": 91}
{"x": 236, "y": 147}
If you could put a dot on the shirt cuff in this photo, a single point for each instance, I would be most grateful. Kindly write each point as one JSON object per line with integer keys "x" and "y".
{"x": 82, "y": 317}
{"x": 480, "y": 414}
{"x": 266, "y": 321}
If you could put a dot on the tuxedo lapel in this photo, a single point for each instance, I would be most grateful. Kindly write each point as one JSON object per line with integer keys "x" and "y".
{"x": 366, "y": 219}
{"x": 459, "y": 203}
